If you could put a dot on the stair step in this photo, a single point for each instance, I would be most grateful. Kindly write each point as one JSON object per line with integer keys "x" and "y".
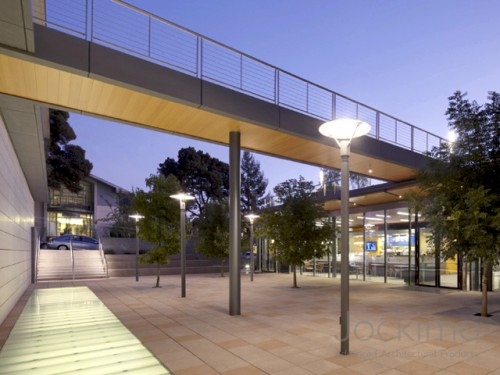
{"x": 57, "y": 265}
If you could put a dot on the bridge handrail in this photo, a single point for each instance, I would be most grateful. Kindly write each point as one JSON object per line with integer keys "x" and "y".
{"x": 111, "y": 22}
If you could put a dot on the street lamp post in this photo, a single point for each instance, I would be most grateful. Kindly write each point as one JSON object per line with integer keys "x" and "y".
{"x": 251, "y": 218}
{"x": 343, "y": 131}
{"x": 136, "y": 217}
{"x": 182, "y": 198}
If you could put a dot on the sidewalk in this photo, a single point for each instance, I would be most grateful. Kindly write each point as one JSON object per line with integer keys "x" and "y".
{"x": 295, "y": 331}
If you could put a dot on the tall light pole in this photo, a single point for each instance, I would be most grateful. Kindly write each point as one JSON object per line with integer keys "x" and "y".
{"x": 251, "y": 218}
{"x": 136, "y": 217}
{"x": 343, "y": 131}
{"x": 182, "y": 198}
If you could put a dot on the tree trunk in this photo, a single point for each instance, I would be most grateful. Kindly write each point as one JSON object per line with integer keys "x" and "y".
{"x": 484, "y": 286}
{"x": 294, "y": 276}
{"x": 222, "y": 268}
{"x": 158, "y": 276}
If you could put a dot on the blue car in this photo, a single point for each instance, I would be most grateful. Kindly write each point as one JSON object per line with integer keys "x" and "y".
{"x": 77, "y": 242}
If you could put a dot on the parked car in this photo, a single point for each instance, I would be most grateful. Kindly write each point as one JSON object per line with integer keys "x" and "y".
{"x": 77, "y": 242}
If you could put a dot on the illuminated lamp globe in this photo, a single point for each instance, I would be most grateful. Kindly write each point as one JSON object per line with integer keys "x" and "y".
{"x": 344, "y": 129}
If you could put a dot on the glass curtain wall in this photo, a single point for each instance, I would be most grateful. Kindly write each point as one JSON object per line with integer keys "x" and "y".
{"x": 374, "y": 246}
{"x": 323, "y": 266}
{"x": 399, "y": 243}
{"x": 389, "y": 246}
{"x": 69, "y": 223}
{"x": 268, "y": 263}
{"x": 356, "y": 247}
{"x": 426, "y": 258}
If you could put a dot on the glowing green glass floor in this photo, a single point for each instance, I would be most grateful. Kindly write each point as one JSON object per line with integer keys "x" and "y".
{"x": 70, "y": 331}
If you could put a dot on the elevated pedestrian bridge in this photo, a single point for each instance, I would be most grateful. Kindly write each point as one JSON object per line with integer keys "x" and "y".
{"x": 109, "y": 59}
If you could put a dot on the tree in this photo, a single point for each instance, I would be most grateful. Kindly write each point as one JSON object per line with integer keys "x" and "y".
{"x": 119, "y": 216}
{"x": 253, "y": 184}
{"x": 357, "y": 181}
{"x": 296, "y": 226}
{"x": 66, "y": 163}
{"x": 160, "y": 225}
{"x": 213, "y": 232}
{"x": 332, "y": 179}
{"x": 461, "y": 200}
{"x": 203, "y": 176}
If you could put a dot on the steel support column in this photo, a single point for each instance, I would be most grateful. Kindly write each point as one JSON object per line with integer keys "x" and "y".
{"x": 234, "y": 224}
{"x": 344, "y": 231}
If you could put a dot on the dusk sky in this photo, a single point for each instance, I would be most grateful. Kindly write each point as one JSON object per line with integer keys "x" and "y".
{"x": 404, "y": 58}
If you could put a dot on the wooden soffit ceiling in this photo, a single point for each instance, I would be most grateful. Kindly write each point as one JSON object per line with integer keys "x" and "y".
{"x": 78, "y": 93}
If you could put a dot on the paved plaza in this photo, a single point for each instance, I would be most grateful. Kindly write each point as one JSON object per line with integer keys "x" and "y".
{"x": 289, "y": 331}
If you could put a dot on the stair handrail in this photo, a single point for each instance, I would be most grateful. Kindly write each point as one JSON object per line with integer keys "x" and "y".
{"x": 103, "y": 257}
{"x": 72, "y": 259}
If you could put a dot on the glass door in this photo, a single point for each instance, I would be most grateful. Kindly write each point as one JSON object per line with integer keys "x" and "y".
{"x": 426, "y": 259}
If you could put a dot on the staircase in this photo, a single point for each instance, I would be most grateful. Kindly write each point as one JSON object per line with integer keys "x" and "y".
{"x": 57, "y": 265}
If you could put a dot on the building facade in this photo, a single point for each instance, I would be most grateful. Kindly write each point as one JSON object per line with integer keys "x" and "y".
{"x": 82, "y": 213}
{"x": 389, "y": 244}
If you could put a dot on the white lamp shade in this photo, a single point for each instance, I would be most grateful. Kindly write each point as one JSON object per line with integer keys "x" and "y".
{"x": 344, "y": 129}
{"x": 136, "y": 216}
{"x": 182, "y": 197}
{"x": 252, "y": 217}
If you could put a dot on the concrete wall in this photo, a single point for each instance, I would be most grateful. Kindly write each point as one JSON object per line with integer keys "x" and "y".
{"x": 16, "y": 219}
{"x": 124, "y": 245}
{"x": 104, "y": 196}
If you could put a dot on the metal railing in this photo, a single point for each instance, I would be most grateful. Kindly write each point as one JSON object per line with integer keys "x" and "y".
{"x": 124, "y": 27}
{"x": 103, "y": 258}
{"x": 72, "y": 259}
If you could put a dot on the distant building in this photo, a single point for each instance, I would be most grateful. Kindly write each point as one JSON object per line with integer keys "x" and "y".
{"x": 80, "y": 213}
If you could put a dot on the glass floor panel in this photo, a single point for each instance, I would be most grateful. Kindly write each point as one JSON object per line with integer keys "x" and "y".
{"x": 70, "y": 331}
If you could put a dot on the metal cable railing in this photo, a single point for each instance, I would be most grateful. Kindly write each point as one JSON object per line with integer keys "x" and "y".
{"x": 124, "y": 27}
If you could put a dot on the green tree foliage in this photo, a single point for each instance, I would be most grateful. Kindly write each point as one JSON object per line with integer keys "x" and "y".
{"x": 205, "y": 177}
{"x": 66, "y": 163}
{"x": 253, "y": 184}
{"x": 119, "y": 216}
{"x": 160, "y": 225}
{"x": 461, "y": 199}
{"x": 297, "y": 228}
{"x": 213, "y": 232}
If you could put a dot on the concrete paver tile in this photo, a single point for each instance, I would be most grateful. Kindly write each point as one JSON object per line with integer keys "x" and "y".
{"x": 418, "y": 368}
{"x": 271, "y": 344}
{"x": 247, "y": 370}
{"x": 345, "y": 360}
{"x": 197, "y": 370}
{"x": 369, "y": 368}
{"x": 293, "y": 371}
{"x": 216, "y": 357}
{"x": 466, "y": 369}
{"x": 394, "y": 372}
{"x": 252, "y": 354}
{"x": 321, "y": 366}
{"x": 232, "y": 343}
{"x": 342, "y": 371}
{"x": 179, "y": 360}
{"x": 273, "y": 365}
